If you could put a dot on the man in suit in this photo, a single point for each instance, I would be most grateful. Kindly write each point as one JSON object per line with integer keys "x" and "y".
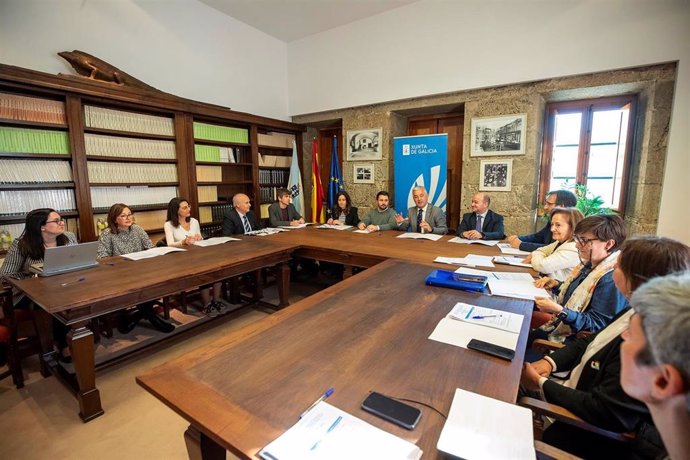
{"x": 423, "y": 218}
{"x": 555, "y": 199}
{"x": 655, "y": 358}
{"x": 239, "y": 220}
{"x": 490, "y": 225}
{"x": 283, "y": 213}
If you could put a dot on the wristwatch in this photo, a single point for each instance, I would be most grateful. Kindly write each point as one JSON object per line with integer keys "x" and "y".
{"x": 562, "y": 315}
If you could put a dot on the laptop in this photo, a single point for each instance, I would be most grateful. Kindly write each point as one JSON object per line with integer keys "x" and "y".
{"x": 63, "y": 259}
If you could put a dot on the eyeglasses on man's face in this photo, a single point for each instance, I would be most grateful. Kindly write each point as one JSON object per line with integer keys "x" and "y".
{"x": 581, "y": 240}
{"x": 61, "y": 220}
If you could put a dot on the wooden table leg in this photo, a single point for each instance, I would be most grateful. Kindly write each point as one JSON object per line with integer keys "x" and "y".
{"x": 80, "y": 340}
{"x": 201, "y": 447}
{"x": 283, "y": 284}
{"x": 258, "y": 287}
{"x": 44, "y": 330}
{"x": 347, "y": 271}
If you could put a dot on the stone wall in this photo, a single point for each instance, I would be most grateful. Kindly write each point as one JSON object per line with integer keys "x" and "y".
{"x": 653, "y": 84}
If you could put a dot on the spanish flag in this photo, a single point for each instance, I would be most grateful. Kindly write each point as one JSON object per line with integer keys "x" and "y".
{"x": 317, "y": 188}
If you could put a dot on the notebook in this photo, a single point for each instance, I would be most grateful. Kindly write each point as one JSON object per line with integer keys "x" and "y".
{"x": 63, "y": 259}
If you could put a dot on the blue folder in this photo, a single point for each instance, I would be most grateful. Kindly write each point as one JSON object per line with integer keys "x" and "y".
{"x": 445, "y": 278}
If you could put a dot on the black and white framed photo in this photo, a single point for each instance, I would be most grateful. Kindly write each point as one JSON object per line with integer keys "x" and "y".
{"x": 364, "y": 145}
{"x": 494, "y": 175}
{"x": 363, "y": 173}
{"x": 504, "y": 135}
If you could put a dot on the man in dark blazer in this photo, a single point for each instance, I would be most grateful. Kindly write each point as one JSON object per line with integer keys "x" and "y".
{"x": 491, "y": 227}
{"x": 431, "y": 220}
{"x": 239, "y": 220}
{"x": 283, "y": 213}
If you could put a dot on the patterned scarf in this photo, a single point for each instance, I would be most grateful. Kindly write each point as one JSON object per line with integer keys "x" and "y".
{"x": 580, "y": 298}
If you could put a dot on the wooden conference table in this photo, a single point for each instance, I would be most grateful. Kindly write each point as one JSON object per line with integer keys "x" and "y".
{"x": 369, "y": 332}
{"x": 77, "y": 297}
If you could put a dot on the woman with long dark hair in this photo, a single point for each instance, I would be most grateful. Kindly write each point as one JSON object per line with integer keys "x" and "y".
{"x": 343, "y": 213}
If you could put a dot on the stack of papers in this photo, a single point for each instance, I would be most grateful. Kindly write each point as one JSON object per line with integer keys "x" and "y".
{"x": 516, "y": 261}
{"x": 516, "y": 288}
{"x": 420, "y": 236}
{"x": 153, "y": 252}
{"x": 335, "y": 227}
{"x": 362, "y": 231}
{"x": 506, "y": 248}
{"x": 214, "y": 241}
{"x": 326, "y": 432}
{"x": 265, "y": 231}
{"x": 525, "y": 277}
{"x": 459, "y": 240}
{"x": 471, "y": 260}
{"x": 295, "y": 227}
{"x": 504, "y": 331}
{"x": 479, "y": 427}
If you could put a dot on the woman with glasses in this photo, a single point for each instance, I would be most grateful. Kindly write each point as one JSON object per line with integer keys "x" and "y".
{"x": 181, "y": 229}
{"x": 44, "y": 229}
{"x": 588, "y": 299}
{"x": 123, "y": 236}
{"x": 558, "y": 259}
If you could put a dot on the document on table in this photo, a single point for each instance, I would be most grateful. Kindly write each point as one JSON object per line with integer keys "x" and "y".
{"x": 214, "y": 241}
{"x": 516, "y": 261}
{"x": 506, "y": 248}
{"x": 471, "y": 260}
{"x": 471, "y": 432}
{"x": 295, "y": 227}
{"x": 526, "y": 277}
{"x": 327, "y": 432}
{"x": 362, "y": 231}
{"x": 459, "y": 240}
{"x": 420, "y": 236}
{"x": 459, "y": 333}
{"x": 517, "y": 289}
{"x": 265, "y": 231}
{"x": 487, "y": 317}
{"x": 335, "y": 227}
{"x": 153, "y": 252}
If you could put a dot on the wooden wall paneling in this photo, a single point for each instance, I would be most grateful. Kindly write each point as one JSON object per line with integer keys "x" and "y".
{"x": 325, "y": 141}
{"x": 254, "y": 146}
{"x": 82, "y": 191}
{"x": 454, "y": 127}
{"x": 184, "y": 165}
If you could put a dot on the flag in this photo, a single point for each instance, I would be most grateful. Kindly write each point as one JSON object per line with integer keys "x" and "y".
{"x": 317, "y": 188}
{"x": 335, "y": 184}
{"x": 295, "y": 182}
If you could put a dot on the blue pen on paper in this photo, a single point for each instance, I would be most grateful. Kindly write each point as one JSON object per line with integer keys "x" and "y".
{"x": 73, "y": 282}
{"x": 330, "y": 428}
{"x": 469, "y": 313}
{"x": 494, "y": 275}
{"x": 323, "y": 396}
{"x": 485, "y": 316}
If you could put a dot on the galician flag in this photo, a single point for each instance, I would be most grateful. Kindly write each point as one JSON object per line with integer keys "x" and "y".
{"x": 317, "y": 188}
{"x": 335, "y": 184}
{"x": 295, "y": 182}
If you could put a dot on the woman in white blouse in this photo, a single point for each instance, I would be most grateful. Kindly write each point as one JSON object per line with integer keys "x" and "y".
{"x": 182, "y": 230}
{"x": 559, "y": 258}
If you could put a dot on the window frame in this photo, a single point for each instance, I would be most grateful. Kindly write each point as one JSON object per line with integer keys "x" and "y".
{"x": 586, "y": 107}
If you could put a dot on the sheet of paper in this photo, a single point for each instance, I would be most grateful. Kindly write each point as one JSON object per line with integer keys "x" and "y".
{"x": 472, "y": 260}
{"x": 214, "y": 241}
{"x": 487, "y": 317}
{"x": 420, "y": 236}
{"x": 265, "y": 231}
{"x": 450, "y": 260}
{"x": 506, "y": 248}
{"x": 335, "y": 227}
{"x": 362, "y": 231}
{"x": 153, "y": 252}
{"x": 510, "y": 260}
{"x": 526, "y": 277}
{"x": 327, "y": 432}
{"x": 518, "y": 289}
{"x": 459, "y": 240}
{"x": 479, "y": 427}
{"x": 295, "y": 227}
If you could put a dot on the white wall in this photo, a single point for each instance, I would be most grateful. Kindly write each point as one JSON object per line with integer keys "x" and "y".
{"x": 181, "y": 47}
{"x": 437, "y": 46}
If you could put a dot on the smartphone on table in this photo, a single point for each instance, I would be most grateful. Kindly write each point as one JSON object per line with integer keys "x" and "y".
{"x": 394, "y": 411}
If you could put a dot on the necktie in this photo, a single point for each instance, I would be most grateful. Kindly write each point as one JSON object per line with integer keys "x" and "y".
{"x": 479, "y": 223}
{"x": 247, "y": 227}
{"x": 419, "y": 220}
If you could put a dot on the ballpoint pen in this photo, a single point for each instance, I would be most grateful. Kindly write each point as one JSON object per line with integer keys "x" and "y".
{"x": 486, "y": 316}
{"x": 323, "y": 396}
{"x": 73, "y": 282}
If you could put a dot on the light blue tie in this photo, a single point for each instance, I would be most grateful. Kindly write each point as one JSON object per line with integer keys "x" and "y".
{"x": 247, "y": 227}
{"x": 478, "y": 227}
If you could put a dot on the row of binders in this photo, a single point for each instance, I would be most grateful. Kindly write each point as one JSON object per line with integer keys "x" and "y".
{"x": 275, "y": 176}
{"x": 27, "y": 140}
{"x": 218, "y": 211}
{"x": 268, "y": 194}
{"x": 24, "y": 108}
{"x": 19, "y": 202}
{"x": 14, "y": 171}
{"x": 207, "y": 193}
{"x": 209, "y": 174}
{"x": 205, "y": 131}
{"x": 214, "y": 154}
{"x": 274, "y": 161}
{"x": 118, "y": 120}
{"x": 104, "y": 197}
{"x": 115, "y": 146}
{"x": 273, "y": 139}
{"x": 104, "y": 172}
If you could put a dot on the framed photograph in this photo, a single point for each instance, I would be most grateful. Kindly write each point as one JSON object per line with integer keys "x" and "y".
{"x": 502, "y": 136}
{"x": 363, "y": 173}
{"x": 364, "y": 145}
{"x": 495, "y": 175}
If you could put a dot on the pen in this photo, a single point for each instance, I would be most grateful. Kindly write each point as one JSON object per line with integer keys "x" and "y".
{"x": 486, "y": 316}
{"x": 330, "y": 428}
{"x": 324, "y": 396}
{"x": 73, "y": 282}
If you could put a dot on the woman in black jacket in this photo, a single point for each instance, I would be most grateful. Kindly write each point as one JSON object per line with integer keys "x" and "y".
{"x": 343, "y": 213}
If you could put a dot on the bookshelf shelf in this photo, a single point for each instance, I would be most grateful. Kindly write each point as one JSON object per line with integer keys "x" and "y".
{"x": 32, "y": 124}
{"x": 113, "y": 132}
{"x": 37, "y": 186}
{"x": 40, "y": 156}
{"x": 134, "y": 184}
{"x": 130, "y": 159}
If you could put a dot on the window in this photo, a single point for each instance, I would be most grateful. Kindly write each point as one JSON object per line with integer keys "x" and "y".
{"x": 589, "y": 142}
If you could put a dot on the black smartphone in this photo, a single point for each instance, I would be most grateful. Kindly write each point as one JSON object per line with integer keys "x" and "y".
{"x": 392, "y": 410}
{"x": 491, "y": 349}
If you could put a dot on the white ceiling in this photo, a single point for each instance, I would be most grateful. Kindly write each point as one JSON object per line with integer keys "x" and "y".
{"x": 290, "y": 20}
